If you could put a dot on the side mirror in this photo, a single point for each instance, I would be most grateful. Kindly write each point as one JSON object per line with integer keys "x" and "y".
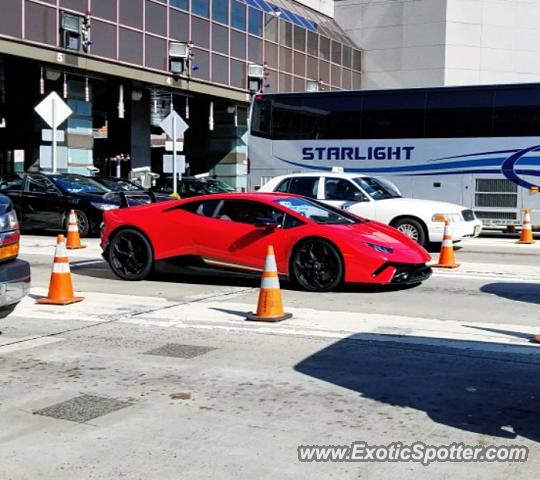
{"x": 359, "y": 197}
{"x": 266, "y": 223}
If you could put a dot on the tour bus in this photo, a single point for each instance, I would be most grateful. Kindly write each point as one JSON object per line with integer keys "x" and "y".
{"x": 475, "y": 146}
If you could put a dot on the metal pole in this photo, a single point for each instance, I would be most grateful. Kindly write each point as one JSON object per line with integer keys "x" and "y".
{"x": 175, "y": 171}
{"x": 118, "y": 167}
{"x": 53, "y": 152}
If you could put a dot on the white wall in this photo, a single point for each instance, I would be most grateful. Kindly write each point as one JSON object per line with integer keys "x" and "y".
{"x": 409, "y": 43}
{"x": 324, "y": 6}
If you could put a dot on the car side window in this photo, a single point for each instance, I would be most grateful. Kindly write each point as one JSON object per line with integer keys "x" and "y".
{"x": 13, "y": 184}
{"x": 343, "y": 190}
{"x": 249, "y": 212}
{"x": 40, "y": 185}
{"x": 204, "y": 209}
{"x": 283, "y": 186}
{"x": 306, "y": 186}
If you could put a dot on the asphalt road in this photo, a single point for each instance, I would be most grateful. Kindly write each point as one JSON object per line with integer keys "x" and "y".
{"x": 165, "y": 379}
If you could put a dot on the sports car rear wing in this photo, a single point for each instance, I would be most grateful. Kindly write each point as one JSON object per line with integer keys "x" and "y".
{"x": 125, "y": 196}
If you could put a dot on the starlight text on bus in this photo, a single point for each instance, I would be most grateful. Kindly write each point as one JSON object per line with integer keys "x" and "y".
{"x": 357, "y": 153}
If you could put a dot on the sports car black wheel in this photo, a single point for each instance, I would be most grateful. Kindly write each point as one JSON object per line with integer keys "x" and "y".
{"x": 130, "y": 255}
{"x": 316, "y": 266}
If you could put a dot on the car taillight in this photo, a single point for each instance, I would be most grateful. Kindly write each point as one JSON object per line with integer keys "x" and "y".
{"x": 9, "y": 244}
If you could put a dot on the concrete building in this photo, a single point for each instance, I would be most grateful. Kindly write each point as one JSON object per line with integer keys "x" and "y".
{"x": 409, "y": 43}
{"x": 121, "y": 65}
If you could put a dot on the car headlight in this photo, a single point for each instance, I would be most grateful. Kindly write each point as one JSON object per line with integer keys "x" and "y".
{"x": 105, "y": 207}
{"x": 450, "y": 217}
{"x": 8, "y": 221}
{"x": 380, "y": 248}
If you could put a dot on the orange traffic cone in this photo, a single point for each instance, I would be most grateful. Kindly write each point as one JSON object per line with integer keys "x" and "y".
{"x": 526, "y": 230}
{"x": 270, "y": 305}
{"x": 60, "y": 286}
{"x": 447, "y": 258}
{"x": 535, "y": 339}
{"x": 73, "y": 237}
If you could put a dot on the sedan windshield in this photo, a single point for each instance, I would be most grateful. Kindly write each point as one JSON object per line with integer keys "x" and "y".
{"x": 317, "y": 212}
{"x": 119, "y": 185}
{"x": 376, "y": 189}
{"x": 78, "y": 184}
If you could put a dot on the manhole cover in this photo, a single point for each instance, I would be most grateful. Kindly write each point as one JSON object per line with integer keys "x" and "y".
{"x": 179, "y": 350}
{"x": 83, "y": 408}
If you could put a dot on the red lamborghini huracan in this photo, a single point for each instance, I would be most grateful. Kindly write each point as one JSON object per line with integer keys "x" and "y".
{"x": 317, "y": 246}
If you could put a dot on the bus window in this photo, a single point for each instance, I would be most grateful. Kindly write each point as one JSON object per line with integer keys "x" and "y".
{"x": 330, "y": 117}
{"x": 459, "y": 113}
{"x": 517, "y": 112}
{"x": 260, "y": 121}
{"x": 287, "y": 118}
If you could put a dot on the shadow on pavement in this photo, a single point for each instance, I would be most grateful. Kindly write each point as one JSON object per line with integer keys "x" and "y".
{"x": 520, "y": 292}
{"x": 510, "y": 333}
{"x": 475, "y": 390}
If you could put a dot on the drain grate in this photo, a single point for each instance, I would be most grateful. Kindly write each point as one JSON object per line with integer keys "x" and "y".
{"x": 83, "y": 408}
{"x": 179, "y": 350}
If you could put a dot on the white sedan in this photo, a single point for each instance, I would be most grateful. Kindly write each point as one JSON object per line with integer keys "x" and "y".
{"x": 378, "y": 199}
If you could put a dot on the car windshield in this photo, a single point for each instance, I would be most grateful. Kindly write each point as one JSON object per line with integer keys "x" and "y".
{"x": 120, "y": 185}
{"x": 317, "y": 212}
{"x": 78, "y": 184}
{"x": 216, "y": 186}
{"x": 376, "y": 189}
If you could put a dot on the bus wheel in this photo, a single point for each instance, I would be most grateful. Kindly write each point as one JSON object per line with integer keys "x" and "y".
{"x": 412, "y": 228}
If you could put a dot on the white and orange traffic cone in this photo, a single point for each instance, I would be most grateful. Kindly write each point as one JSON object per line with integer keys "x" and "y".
{"x": 526, "y": 235}
{"x": 73, "y": 237}
{"x": 270, "y": 304}
{"x": 447, "y": 258}
{"x": 60, "y": 286}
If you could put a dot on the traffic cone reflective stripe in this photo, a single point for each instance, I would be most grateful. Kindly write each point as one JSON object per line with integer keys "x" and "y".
{"x": 270, "y": 304}
{"x": 73, "y": 237}
{"x": 60, "y": 285}
{"x": 447, "y": 258}
{"x": 526, "y": 235}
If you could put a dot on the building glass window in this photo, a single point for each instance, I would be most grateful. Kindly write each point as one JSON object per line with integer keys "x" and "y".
{"x": 156, "y": 18}
{"x": 285, "y": 59}
{"x": 238, "y": 15}
{"x": 357, "y": 60}
{"x": 299, "y": 39}
{"x": 183, "y": 4}
{"x": 104, "y": 36}
{"x": 270, "y": 28}
{"x": 270, "y": 54}
{"x": 156, "y": 53}
{"x": 336, "y": 76}
{"x": 130, "y": 46}
{"x": 313, "y": 44}
{"x": 220, "y": 39}
{"x": 255, "y": 50}
{"x": 299, "y": 84}
{"x": 220, "y": 69}
{"x": 238, "y": 45}
{"x": 336, "y": 52}
{"x": 220, "y": 11}
{"x": 77, "y": 5}
{"x": 104, "y": 9}
{"x": 324, "y": 71}
{"x": 131, "y": 13}
{"x": 255, "y": 22}
{"x": 347, "y": 56}
{"x": 312, "y": 68}
{"x": 200, "y": 32}
{"x": 11, "y": 24}
{"x": 179, "y": 26}
{"x": 285, "y": 33}
{"x": 40, "y": 23}
{"x": 324, "y": 48}
{"x": 285, "y": 83}
{"x": 201, "y": 67}
{"x": 346, "y": 79}
{"x": 238, "y": 74}
{"x": 299, "y": 64}
{"x": 200, "y": 7}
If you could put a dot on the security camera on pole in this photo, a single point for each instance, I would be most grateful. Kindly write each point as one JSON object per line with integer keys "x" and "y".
{"x": 175, "y": 127}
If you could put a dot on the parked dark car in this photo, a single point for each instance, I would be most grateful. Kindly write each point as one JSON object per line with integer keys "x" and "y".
{"x": 192, "y": 186}
{"x": 116, "y": 184}
{"x": 14, "y": 273}
{"x": 43, "y": 201}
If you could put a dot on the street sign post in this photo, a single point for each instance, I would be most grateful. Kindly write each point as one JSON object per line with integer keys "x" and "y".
{"x": 174, "y": 126}
{"x": 54, "y": 111}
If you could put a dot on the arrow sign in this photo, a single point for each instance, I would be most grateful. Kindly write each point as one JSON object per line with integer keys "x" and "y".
{"x": 245, "y": 137}
{"x": 174, "y": 126}
{"x": 54, "y": 111}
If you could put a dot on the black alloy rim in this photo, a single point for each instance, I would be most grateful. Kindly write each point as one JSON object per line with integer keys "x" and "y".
{"x": 316, "y": 265}
{"x": 129, "y": 254}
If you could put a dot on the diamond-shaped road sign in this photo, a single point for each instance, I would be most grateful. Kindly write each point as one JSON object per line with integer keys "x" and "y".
{"x": 174, "y": 126}
{"x": 53, "y": 110}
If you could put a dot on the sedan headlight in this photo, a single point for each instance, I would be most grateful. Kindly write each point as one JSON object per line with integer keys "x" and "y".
{"x": 8, "y": 221}
{"x": 450, "y": 217}
{"x": 380, "y": 248}
{"x": 104, "y": 207}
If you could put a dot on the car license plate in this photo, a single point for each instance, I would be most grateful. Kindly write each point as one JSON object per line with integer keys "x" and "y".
{"x": 477, "y": 230}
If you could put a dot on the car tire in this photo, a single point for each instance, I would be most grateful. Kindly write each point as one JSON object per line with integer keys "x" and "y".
{"x": 130, "y": 255}
{"x": 83, "y": 223}
{"x": 411, "y": 228}
{"x": 316, "y": 266}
